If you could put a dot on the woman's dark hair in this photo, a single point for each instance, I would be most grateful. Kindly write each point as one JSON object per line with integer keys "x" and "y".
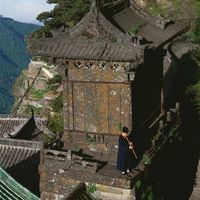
{"x": 125, "y": 130}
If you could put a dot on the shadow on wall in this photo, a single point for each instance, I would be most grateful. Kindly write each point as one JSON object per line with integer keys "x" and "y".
{"x": 172, "y": 174}
{"x": 146, "y": 98}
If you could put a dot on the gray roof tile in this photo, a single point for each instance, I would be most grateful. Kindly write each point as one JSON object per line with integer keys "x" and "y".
{"x": 23, "y": 127}
{"x": 94, "y": 37}
{"x": 21, "y": 159}
{"x": 128, "y": 20}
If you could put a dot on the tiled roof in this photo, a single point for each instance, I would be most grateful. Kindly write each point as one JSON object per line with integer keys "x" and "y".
{"x": 20, "y": 159}
{"x": 75, "y": 49}
{"x": 128, "y": 20}
{"x": 27, "y": 128}
{"x": 179, "y": 48}
{"x": 35, "y": 130}
{"x": 100, "y": 36}
{"x": 93, "y": 38}
{"x": 10, "y": 189}
{"x": 9, "y": 123}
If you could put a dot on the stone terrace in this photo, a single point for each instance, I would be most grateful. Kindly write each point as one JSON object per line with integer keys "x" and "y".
{"x": 69, "y": 168}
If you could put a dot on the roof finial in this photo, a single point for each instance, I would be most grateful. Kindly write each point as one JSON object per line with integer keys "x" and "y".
{"x": 95, "y": 7}
{"x": 32, "y": 112}
{"x": 98, "y": 4}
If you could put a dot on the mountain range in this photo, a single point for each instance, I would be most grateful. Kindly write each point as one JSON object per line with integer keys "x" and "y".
{"x": 13, "y": 57}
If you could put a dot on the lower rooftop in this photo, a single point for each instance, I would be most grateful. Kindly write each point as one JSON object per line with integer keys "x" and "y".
{"x": 10, "y": 189}
{"x": 20, "y": 159}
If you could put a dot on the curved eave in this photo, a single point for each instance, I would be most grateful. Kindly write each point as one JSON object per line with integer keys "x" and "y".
{"x": 87, "y": 51}
{"x": 9, "y": 188}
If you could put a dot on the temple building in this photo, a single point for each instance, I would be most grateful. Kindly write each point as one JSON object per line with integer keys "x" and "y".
{"x": 117, "y": 68}
{"x": 111, "y": 64}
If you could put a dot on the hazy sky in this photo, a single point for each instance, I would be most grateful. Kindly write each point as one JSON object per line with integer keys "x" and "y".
{"x": 23, "y": 10}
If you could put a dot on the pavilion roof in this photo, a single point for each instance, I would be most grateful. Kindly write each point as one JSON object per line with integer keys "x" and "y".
{"x": 93, "y": 38}
{"x": 155, "y": 30}
{"x": 25, "y": 127}
{"x": 109, "y": 33}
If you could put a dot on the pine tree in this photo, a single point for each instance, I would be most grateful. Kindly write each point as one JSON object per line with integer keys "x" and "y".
{"x": 66, "y": 13}
{"x": 196, "y": 29}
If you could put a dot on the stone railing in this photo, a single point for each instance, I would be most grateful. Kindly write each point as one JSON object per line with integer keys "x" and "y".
{"x": 72, "y": 160}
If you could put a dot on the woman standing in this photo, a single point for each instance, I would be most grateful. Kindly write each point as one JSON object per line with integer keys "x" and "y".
{"x": 124, "y": 152}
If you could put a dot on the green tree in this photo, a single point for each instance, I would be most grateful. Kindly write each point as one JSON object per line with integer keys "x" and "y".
{"x": 194, "y": 89}
{"x": 196, "y": 24}
{"x": 66, "y": 13}
{"x": 196, "y": 31}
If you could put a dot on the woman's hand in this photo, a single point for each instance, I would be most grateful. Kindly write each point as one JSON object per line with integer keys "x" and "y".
{"x": 131, "y": 147}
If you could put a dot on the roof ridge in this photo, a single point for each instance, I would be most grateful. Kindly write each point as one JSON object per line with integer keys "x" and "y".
{"x": 19, "y": 127}
{"x": 21, "y": 143}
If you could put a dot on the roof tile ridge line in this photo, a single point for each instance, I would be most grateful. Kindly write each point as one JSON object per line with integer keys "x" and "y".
{"x": 18, "y": 147}
{"x": 103, "y": 51}
{"x": 19, "y": 128}
{"x": 2, "y": 116}
{"x": 109, "y": 28}
{"x": 97, "y": 15}
{"x": 118, "y": 34}
{"x": 178, "y": 40}
{"x": 20, "y": 189}
{"x": 5, "y": 115}
{"x": 85, "y": 19}
{"x": 28, "y": 144}
{"x": 45, "y": 130}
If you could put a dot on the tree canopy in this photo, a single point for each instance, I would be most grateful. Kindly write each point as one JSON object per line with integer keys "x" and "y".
{"x": 196, "y": 28}
{"x": 66, "y": 13}
{"x": 194, "y": 89}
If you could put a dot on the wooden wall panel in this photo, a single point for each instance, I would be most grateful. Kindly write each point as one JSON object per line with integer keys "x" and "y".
{"x": 102, "y": 108}
{"x": 79, "y": 106}
{"x": 66, "y": 106}
{"x": 98, "y": 108}
{"x": 90, "y": 108}
{"x": 126, "y": 107}
{"x": 70, "y": 106}
{"x": 114, "y": 108}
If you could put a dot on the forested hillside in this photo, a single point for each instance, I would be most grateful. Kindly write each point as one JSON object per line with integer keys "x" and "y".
{"x": 13, "y": 57}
